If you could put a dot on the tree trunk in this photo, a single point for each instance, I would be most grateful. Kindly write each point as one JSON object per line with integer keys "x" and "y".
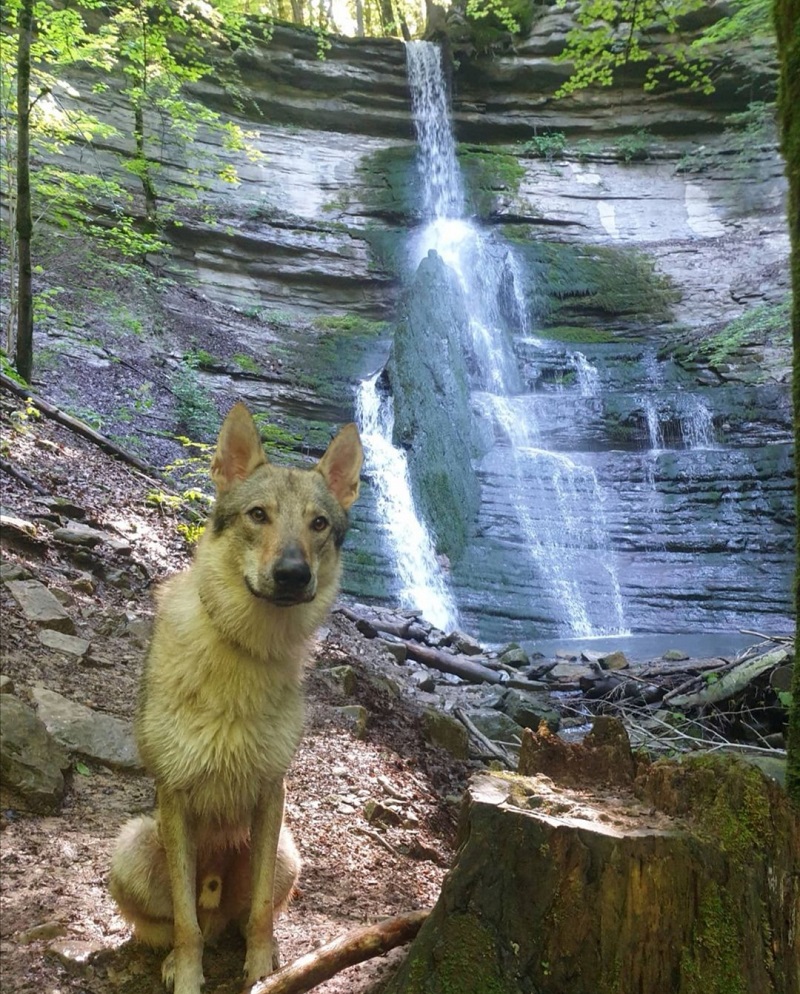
{"x": 684, "y": 881}
{"x": 144, "y": 168}
{"x": 297, "y": 11}
{"x": 359, "y": 19}
{"x": 23, "y": 356}
{"x": 787, "y": 24}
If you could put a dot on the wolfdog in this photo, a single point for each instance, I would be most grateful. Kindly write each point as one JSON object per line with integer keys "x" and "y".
{"x": 221, "y": 708}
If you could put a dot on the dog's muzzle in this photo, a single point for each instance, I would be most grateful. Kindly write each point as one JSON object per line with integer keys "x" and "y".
{"x": 291, "y": 577}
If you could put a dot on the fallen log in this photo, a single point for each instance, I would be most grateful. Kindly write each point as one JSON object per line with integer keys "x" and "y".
{"x": 729, "y": 683}
{"x": 458, "y": 665}
{"x": 354, "y": 947}
{"x": 56, "y": 414}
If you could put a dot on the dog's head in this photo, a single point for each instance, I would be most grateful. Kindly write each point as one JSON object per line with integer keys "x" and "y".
{"x": 282, "y": 527}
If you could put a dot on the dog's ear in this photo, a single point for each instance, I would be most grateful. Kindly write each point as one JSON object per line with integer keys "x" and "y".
{"x": 341, "y": 465}
{"x": 239, "y": 449}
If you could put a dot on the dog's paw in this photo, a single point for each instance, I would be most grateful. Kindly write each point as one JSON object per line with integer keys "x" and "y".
{"x": 168, "y": 976}
{"x": 168, "y": 970}
{"x": 259, "y": 964}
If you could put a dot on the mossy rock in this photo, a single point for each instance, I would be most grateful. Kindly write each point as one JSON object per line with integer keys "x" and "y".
{"x": 489, "y": 173}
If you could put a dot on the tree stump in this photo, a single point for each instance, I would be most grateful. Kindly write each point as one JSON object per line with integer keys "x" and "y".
{"x": 618, "y": 877}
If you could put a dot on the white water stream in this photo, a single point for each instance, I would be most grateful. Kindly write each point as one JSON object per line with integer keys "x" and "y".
{"x": 557, "y": 500}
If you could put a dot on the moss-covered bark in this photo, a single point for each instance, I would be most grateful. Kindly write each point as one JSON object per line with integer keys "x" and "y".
{"x": 787, "y": 23}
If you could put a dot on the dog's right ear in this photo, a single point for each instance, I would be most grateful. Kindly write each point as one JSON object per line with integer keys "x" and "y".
{"x": 239, "y": 449}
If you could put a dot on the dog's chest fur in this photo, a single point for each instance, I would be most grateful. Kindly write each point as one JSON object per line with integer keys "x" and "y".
{"x": 216, "y": 720}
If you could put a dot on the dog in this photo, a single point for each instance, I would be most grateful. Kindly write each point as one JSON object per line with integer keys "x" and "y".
{"x": 220, "y": 712}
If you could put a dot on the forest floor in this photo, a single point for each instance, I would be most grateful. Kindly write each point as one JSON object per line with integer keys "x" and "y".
{"x": 61, "y": 932}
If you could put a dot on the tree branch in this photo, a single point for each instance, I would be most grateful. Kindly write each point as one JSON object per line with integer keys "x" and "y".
{"x": 354, "y": 947}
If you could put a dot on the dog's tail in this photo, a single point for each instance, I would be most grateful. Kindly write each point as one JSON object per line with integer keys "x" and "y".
{"x": 139, "y": 882}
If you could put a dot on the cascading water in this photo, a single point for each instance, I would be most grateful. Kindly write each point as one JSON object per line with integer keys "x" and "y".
{"x": 559, "y": 506}
{"x": 421, "y": 582}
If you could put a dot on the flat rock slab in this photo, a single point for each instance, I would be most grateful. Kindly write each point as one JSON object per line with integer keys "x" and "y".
{"x": 90, "y": 733}
{"x": 31, "y": 761}
{"x": 40, "y": 606}
{"x": 71, "y": 645}
{"x": 76, "y": 533}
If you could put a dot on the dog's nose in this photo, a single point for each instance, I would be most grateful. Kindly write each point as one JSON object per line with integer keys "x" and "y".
{"x": 291, "y": 571}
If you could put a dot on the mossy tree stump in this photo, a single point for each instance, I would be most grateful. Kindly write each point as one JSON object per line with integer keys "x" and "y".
{"x": 664, "y": 878}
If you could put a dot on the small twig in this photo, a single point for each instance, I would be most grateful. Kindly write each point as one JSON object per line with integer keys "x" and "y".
{"x": 377, "y": 838}
{"x": 779, "y": 639}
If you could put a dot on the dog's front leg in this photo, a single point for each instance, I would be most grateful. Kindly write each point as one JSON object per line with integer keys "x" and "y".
{"x": 264, "y": 833}
{"x": 184, "y": 966}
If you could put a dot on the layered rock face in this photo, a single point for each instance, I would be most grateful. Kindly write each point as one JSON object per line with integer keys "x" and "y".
{"x": 684, "y": 463}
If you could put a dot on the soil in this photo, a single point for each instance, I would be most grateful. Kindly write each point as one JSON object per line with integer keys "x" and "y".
{"x": 61, "y": 933}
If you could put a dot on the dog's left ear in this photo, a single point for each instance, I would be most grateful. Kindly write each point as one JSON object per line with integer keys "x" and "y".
{"x": 239, "y": 449}
{"x": 341, "y": 465}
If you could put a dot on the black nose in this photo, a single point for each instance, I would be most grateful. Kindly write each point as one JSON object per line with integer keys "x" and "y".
{"x": 291, "y": 571}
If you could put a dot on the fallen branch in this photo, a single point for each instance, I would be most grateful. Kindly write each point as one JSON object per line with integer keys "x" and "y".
{"x": 491, "y": 747}
{"x": 31, "y": 484}
{"x": 353, "y": 947}
{"x": 729, "y": 684}
{"x": 80, "y": 428}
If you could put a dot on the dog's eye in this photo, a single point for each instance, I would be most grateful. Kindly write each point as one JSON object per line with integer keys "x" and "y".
{"x": 259, "y": 515}
{"x": 319, "y": 524}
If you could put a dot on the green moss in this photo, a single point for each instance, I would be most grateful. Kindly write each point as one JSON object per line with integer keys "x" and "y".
{"x": 350, "y": 324}
{"x": 569, "y": 284}
{"x": 245, "y": 363}
{"x": 441, "y": 504}
{"x": 274, "y": 437}
{"x": 466, "y": 962}
{"x": 391, "y": 183}
{"x": 762, "y": 325}
{"x": 488, "y": 171}
{"x": 735, "y": 807}
{"x": 712, "y": 963}
{"x": 579, "y": 335}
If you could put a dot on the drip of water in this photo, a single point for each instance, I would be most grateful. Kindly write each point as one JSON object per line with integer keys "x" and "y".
{"x": 588, "y": 377}
{"x": 422, "y": 585}
{"x": 697, "y": 425}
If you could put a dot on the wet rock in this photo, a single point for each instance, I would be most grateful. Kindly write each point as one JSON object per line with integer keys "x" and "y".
{"x": 513, "y": 655}
{"x": 465, "y": 644}
{"x": 422, "y": 680}
{"x": 12, "y": 525}
{"x": 572, "y": 672}
{"x": 446, "y": 732}
{"x": 13, "y": 571}
{"x": 342, "y": 677}
{"x": 31, "y": 761}
{"x": 529, "y": 710}
{"x": 75, "y": 954}
{"x": 87, "y": 732}
{"x": 71, "y": 645}
{"x": 395, "y": 649}
{"x": 40, "y": 606}
{"x": 675, "y": 655}
{"x": 614, "y": 661}
{"x": 47, "y": 930}
{"x": 495, "y": 725}
{"x": 76, "y": 533}
{"x": 355, "y": 717}
{"x": 382, "y": 814}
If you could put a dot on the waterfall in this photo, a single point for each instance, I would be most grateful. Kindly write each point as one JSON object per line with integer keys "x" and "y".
{"x": 558, "y": 504}
{"x": 422, "y": 585}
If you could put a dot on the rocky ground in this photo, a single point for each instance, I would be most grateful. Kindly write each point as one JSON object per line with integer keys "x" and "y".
{"x": 399, "y": 715}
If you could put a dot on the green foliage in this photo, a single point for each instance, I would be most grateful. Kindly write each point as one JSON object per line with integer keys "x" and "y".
{"x": 549, "y": 145}
{"x": 488, "y": 171}
{"x": 195, "y": 411}
{"x": 634, "y": 147}
{"x": 350, "y": 324}
{"x": 246, "y": 364}
{"x": 7, "y": 369}
{"x": 610, "y": 34}
{"x": 761, "y": 324}
{"x": 492, "y": 21}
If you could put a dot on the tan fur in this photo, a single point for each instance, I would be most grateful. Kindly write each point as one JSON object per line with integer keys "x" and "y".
{"x": 221, "y": 707}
